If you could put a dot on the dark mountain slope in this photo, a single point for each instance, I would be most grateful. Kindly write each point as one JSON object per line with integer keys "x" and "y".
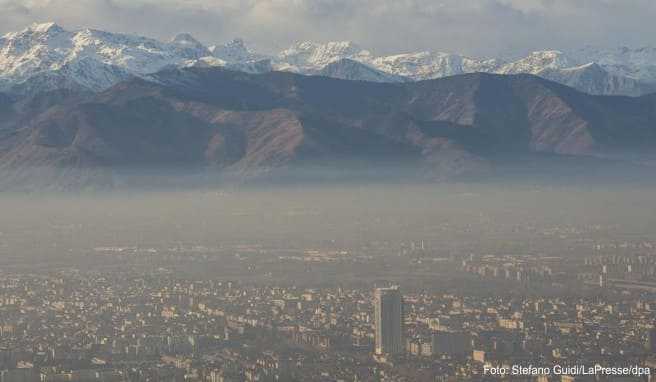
{"x": 251, "y": 124}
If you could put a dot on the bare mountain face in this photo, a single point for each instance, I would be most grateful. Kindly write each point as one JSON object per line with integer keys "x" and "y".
{"x": 46, "y": 57}
{"x": 228, "y": 122}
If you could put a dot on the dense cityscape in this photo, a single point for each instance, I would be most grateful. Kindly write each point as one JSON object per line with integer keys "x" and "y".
{"x": 450, "y": 283}
{"x": 135, "y": 314}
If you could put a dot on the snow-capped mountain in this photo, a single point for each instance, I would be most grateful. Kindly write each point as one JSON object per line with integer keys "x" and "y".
{"x": 428, "y": 65}
{"x": 638, "y": 64}
{"x": 601, "y": 72}
{"x": 47, "y": 48}
{"x": 236, "y": 51}
{"x": 578, "y": 71}
{"x": 614, "y": 72}
{"x": 311, "y": 56}
{"x": 593, "y": 79}
{"x": 45, "y": 56}
{"x": 536, "y": 62}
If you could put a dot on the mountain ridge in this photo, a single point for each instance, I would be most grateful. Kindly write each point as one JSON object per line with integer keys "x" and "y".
{"x": 45, "y": 56}
{"x": 251, "y": 125}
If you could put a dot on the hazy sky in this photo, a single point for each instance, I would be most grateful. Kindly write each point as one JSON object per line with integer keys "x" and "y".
{"x": 475, "y": 27}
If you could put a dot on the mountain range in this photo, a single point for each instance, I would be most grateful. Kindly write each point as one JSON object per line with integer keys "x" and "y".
{"x": 254, "y": 125}
{"x": 85, "y": 108}
{"x": 46, "y": 57}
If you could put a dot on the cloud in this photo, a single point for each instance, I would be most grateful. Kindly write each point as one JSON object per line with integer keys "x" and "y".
{"x": 476, "y": 27}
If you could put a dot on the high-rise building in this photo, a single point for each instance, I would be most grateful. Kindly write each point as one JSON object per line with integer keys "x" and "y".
{"x": 603, "y": 277}
{"x": 388, "y": 320}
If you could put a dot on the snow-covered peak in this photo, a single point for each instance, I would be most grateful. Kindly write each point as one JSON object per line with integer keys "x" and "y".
{"x": 592, "y": 78}
{"x": 538, "y": 61}
{"x": 636, "y": 63}
{"x": 40, "y": 28}
{"x": 185, "y": 39}
{"x": 314, "y": 56}
{"x": 428, "y": 65}
{"x": 100, "y": 58}
{"x": 237, "y": 44}
{"x": 46, "y": 33}
{"x": 236, "y": 51}
{"x": 188, "y": 42}
{"x": 49, "y": 27}
{"x": 35, "y": 33}
{"x": 421, "y": 65}
{"x": 204, "y": 62}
